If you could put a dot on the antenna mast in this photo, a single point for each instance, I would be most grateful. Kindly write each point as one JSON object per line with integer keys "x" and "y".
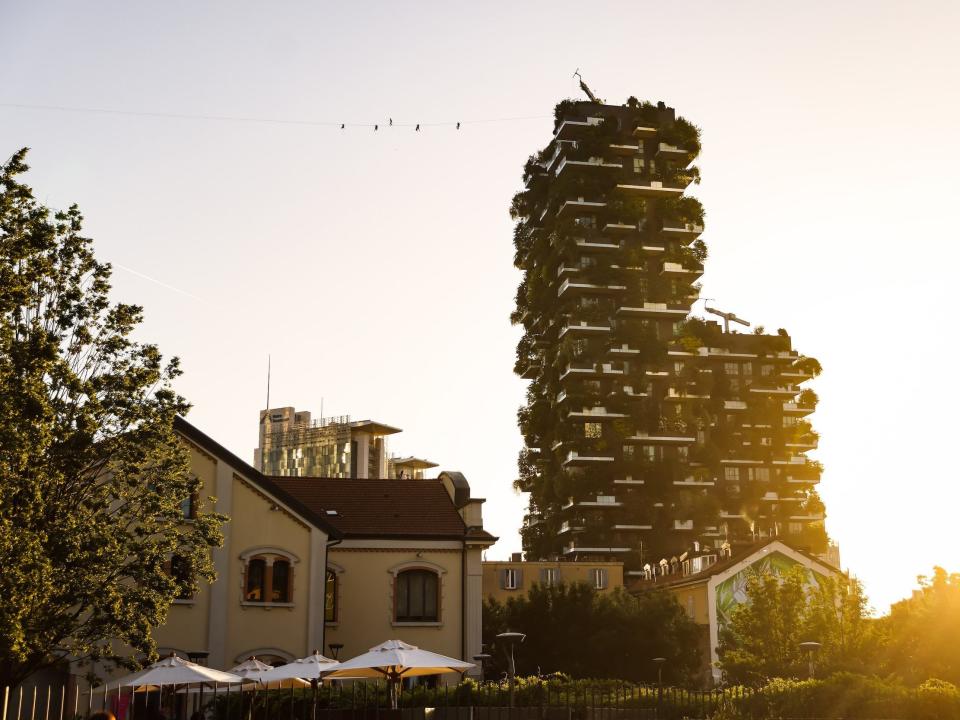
{"x": 268, "y": 385}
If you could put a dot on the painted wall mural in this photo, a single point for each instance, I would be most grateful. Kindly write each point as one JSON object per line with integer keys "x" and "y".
{"x": 733, "y": 591}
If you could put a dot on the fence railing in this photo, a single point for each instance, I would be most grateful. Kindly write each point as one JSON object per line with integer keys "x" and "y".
{"x": 532, "y": 700}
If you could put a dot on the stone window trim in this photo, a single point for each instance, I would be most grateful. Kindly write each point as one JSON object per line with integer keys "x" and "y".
{"x": 422, "y": 565}
{"x": 269, "y": 555}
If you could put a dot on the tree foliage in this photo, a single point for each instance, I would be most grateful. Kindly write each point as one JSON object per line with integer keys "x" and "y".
{"x": 921, "y": 636}
{"x": 573, "y": 629}
{"x": 92, "y": 477}
{"x": 763, "y": 638}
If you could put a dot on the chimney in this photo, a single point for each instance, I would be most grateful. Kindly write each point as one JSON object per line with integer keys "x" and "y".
{"x": 516, "y": 557}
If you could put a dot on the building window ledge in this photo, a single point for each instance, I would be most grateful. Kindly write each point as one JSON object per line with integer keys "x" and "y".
{"x": 265, "y": 605}
{"x": 398, "y": 623}
{"x": 332, "y": 623}
{"x": 189, "y": 602}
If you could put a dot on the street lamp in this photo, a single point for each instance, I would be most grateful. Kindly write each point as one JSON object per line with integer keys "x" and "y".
{"x": 811, "y": 646}
{"x": 510, "y": 639}
{"x": 482, "y": 659}
{"x": 335, "y": 649}
{"x": 659, "y": 662}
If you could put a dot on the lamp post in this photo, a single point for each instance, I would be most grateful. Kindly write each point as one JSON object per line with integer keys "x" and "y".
{"x": 335, "y": 649}
{"x": 482, "y": 659}
{"x": 510, "y": 639}
{"x": 659, "y": 662}
{"x": 811, "y": 646}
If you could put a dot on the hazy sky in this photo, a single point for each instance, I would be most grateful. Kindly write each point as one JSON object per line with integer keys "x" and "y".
{"x": 376, "y": 267}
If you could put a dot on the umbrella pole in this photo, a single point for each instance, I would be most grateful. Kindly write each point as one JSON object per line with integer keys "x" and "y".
{"x": 313, "y": 686}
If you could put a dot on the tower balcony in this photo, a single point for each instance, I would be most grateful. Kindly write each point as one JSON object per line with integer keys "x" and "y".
{"x": 734, "y": 405}
{"x": 570, "y": 288}
{"x": 676, "y": 270}
{"x": 590, "y": 164}
{"x": 591, "y": 370}
{"x": 651, "y": 189}
{"x": 683, "y": 524}
{"x": 792, "y": 408}
{"x": 796, "y": 376}
{"x": 684, "y": 232}
{"x": 531, "y": 370}
{"x": 584, "y": 327}
{"x": 572, "y": 129}
{"x": 579, "y": 205}
{"x": 666, "y": 151}
{"x": 595, "y": 413}
{"x": 567, "y": 270}
{"x": 647, "y": 439}
{"x": 642, "y": 132}
{"x": 574, "y": 459}
{"x": 619, "y": 227}
{"x": 774, "y": 391}
{"x": 601, "y": 501}
{"x": 633, "y": 528}
{"x": 594, "y": 245}
{"x": 623, "y": 148}
{"x": 655, "y": 310}
{"x": 693, "y": 482}
{"x": 567, "y": 527}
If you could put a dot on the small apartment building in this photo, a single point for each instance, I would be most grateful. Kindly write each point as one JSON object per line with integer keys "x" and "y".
{"x": 709, "y": 587}
{"x": 503, "y": 579}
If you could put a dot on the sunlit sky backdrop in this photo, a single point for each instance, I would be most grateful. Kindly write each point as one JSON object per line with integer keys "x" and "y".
{"x": 376, "y": 267}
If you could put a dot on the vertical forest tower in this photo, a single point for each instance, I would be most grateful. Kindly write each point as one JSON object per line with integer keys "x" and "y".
{"x": 648, "y": 433}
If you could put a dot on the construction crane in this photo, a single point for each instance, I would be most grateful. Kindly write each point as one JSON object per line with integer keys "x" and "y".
{"x": 727, "y": 318}
{"x": 583, "y": 86}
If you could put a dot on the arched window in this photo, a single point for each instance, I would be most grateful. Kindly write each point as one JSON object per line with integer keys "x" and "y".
{"x": 330, "y": 604}
{"x": 256, "y": 590}
{"x": 268, "y": 576}
{"x": 417, "y": 596}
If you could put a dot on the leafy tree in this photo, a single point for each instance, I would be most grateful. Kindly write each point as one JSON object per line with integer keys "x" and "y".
{"x": 922, "y": 633}
{"x": 572, "y": 629}
{"x": 93, "y": 480}
{"x": 762, "y": 640}
{"x": 836, "y": 616}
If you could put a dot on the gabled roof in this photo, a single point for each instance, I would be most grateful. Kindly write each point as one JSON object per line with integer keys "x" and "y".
{"x": 388, "y": 509}
{"x": 208, "y": 444}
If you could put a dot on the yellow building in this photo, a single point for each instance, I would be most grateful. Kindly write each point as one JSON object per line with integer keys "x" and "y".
{"x": 309, "y": 562}
{"x": 504, "y": 579}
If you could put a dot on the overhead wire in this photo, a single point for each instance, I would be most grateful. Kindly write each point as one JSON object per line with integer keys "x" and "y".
{"x": 267, "y": 120}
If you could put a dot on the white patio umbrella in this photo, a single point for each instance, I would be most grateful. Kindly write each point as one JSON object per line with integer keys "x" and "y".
{"x": 173, "y": 670}
{"x": 395, "y": 660}
{"x": 254, "y": 673}
{"x": 311, "y": 667}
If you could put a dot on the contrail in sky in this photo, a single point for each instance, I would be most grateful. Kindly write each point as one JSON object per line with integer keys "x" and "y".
{"x": 158, "y": 282}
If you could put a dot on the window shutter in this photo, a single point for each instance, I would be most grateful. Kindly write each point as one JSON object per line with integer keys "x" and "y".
{"x": 503, "y": 579}
{"x": 544, "y": 576}
{"x": 603, "y": 579}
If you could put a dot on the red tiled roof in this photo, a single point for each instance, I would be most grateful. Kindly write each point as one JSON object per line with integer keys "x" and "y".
{"x": 379, "y": 508}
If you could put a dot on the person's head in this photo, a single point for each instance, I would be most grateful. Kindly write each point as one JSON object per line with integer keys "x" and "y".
{"x": 103, "y": 715}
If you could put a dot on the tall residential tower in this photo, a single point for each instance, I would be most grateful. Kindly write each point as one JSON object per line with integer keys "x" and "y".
{"x": 648, "y": 432}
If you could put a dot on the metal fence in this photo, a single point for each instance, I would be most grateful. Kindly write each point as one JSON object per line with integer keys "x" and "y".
{"x": 539, "y": 700}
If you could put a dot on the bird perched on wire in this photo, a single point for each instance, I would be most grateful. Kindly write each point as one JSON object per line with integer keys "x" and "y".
{"x": 458, "y": 126}
{"x": 376, "y": 127}
{"x": 418, "y": 127}
{"x": 391, "y": 122}
{"x": 342, "y": 126}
